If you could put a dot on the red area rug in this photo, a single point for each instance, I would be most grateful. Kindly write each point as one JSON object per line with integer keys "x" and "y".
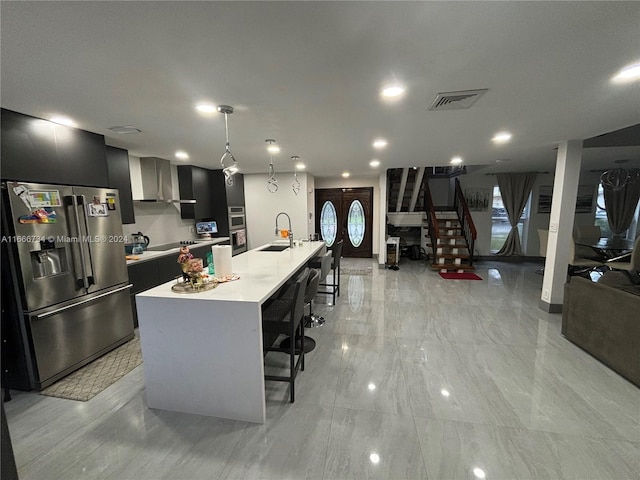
{"x": 460, "y": 276}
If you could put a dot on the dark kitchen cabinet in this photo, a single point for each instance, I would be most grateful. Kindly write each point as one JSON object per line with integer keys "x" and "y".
{"x": 168, "y": 268}
{"x": 36, "y": 150}
{"x": 225, "y": 196}
{"x": 235, "y": 192}
{"x": 195, "y": 183}
{"x": 120, "y": 178}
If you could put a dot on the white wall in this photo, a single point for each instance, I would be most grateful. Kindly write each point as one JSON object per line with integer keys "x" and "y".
{"x": 262, "y": 207}
{"x": 354, "y": 183}
{"x": 531, "y": 243}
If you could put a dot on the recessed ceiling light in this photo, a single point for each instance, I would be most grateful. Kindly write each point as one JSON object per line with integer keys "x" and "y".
{"x": 444, "y": 392}
{"x": 479, "y": 473}
{"x": 501, "y": 137}
{"x": 346, "y": 174}
{"x": 206, "y": 108}
{"x": 628, "y": 74}
{"x": 392, "y": 91}
{"x": 456, "y": 161}
{"x": 374, "y": 163}
{"x": 62, "y": 120}
{"x": 300, "y": 166}
{"x": 379, "y": 143}
{"x": 182, "y": 155}
{"x": 374, "y": 458}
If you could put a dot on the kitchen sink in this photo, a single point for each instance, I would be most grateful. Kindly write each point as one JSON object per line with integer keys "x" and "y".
{"x": 274, "y": 248}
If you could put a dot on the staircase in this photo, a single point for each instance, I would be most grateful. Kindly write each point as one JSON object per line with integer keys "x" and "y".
{"x": 451, "y": 251}
{"x": 451, "y": 234}
{"x": 450, "y": 231}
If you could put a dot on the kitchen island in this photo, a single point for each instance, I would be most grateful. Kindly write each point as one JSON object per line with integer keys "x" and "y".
{"x": 202, "y": 352}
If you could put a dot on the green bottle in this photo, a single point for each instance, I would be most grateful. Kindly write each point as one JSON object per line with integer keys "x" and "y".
{"x": 212, "y": 270}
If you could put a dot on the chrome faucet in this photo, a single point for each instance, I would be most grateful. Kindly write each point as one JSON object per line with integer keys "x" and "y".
{"x": 290, "y": 232}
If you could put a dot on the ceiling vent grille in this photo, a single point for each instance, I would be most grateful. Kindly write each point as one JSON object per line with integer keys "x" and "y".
{"x": 456, "y": 100}
{"x": 125, "y": 129}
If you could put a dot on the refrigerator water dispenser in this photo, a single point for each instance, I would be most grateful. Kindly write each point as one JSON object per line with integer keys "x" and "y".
{"x": 50, "y": 262}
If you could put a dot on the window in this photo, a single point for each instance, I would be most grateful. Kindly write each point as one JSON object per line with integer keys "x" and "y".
{"x": 500, "y": 226}
{"x": 328, "y": 223}
{"x": 355, "y": 223}
{"x": 603, "y": 222}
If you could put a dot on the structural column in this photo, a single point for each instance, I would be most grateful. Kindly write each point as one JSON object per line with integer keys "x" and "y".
{"x": 563, "y": 206}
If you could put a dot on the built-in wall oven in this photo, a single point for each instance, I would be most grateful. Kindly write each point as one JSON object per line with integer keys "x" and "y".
{"x": 238, "y": 241}
{"x": 236, "y": 218}
{"x": 237, "y": 230}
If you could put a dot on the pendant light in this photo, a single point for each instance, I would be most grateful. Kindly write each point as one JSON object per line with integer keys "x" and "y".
{"x": 272, "y": 182}
{"x": 295, "y": 186}
{"x": 233, "y": 168}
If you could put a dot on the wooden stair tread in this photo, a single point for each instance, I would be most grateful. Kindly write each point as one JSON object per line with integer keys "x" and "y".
{"x": 449, "y": 245}
{"x": 454, "y": 255}
{"x": 458, "y": 237}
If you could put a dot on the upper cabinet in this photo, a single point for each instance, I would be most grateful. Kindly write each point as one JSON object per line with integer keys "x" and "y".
{"x": 197, "y": 184}
{"x": 235, "y": 192}
{"x": 119, "y": 177}
{"x": 36, "y": 150}
{"x": 212, "y": 195}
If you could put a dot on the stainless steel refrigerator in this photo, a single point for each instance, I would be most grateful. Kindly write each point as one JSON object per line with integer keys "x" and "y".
{"x": 68, "y": 279}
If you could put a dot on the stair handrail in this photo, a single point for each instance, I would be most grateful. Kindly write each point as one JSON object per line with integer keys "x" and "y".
{"x": 468, "y": 227}
{"x": 434, "y": 232}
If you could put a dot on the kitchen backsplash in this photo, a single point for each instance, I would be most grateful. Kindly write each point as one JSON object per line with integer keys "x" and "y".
{"x": 160, "y": 222}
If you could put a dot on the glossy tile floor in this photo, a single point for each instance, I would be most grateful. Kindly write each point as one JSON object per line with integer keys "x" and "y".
{"x": 413, "y": 377}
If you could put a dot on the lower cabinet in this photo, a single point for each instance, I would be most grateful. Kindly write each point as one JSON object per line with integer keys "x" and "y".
{"x": 151, "y": 273}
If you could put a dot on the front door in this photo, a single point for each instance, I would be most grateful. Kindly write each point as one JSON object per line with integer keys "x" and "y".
{"x": 346, "y": 214}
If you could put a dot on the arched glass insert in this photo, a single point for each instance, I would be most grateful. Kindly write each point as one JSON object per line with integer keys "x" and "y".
{"x": 328, "y": 223}
{"x": 355, "y": 223}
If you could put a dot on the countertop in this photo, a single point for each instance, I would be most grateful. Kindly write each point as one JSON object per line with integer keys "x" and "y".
{"x": 261, "y": 274}
{"x": 147, "y": 255}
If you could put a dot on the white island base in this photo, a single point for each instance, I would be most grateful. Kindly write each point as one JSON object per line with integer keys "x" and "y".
{"x": 202, "y": 352}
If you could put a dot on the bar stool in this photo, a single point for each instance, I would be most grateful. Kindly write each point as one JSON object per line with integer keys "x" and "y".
{"x": 333, "y": 288}
{"x": 324, "y": 263}
{"x": 310, "y": 292}
{"x": 286, "y": 316}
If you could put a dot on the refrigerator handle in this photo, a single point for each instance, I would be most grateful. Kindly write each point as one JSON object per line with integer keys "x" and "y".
{"x": 85, "y": 280}
{"x": 91, "y": 279}
{"x": 82, "y": 302}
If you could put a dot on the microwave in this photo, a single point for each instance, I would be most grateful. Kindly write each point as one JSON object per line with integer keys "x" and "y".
{"x": 236, "y": 218}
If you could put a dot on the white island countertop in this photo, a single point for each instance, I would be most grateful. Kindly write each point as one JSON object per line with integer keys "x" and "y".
{"x": 261, "y": 274}
{"x": 203, "y": 352}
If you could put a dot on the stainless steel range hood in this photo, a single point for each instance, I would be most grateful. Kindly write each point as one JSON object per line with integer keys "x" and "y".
{"x": 156, "y": 182}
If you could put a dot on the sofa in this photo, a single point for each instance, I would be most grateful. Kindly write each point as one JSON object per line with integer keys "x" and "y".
{"x": 604, "y": 320}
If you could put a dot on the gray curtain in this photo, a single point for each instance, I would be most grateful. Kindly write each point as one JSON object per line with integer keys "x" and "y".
{"x": 620, "y": 198}
{"x": 515, "y": 189}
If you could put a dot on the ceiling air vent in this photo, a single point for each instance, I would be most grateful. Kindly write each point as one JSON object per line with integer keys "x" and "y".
{"x": 456, "y": 100}
{"x": 125, "y": 129}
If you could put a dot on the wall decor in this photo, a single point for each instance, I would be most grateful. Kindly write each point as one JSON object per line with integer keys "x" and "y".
{"x": 584, "y": 198}
{"x": 478, "y": 199}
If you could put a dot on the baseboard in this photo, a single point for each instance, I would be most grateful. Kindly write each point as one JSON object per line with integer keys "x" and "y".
{"x": 509, "y": 259}
{"x": 550, "y": 307}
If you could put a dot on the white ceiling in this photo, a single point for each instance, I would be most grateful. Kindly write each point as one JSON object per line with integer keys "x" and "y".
{"x": 308, "y": 75}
